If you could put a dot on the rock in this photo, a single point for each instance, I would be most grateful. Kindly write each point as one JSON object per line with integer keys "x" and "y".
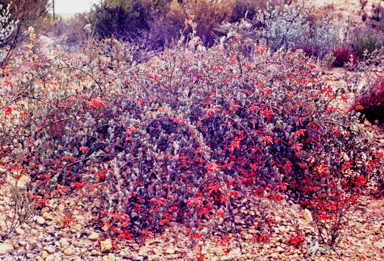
{"x": 49, "y": 249}
{"x": 22, "y": 243}
{"x": 2, "y": 171}
{"x": 32, "y": 242}
{"x": 93, "y": 236}
{"x": 68, "y": 251}
{"x": 23, "y": 182}
{"x": 274, "y": 255}
{"x": 111, "y": 257}
{"x": 60, "y": 208}
{"x": 19, "y": 231}
{"x": 252, "y": 231}
{"x": 63, "y": 243}
{"x": 170, "y": 251}
{"x": 5, "y": 248}
{"x": 379, "y": 244}
{"x": 307, "y": 215}
{"x": 106, "y": 245}
{"x": 40, "y": 220}
{"x": 134, "y": 215}
{"x": 295, "y": 208}
{"x": 280, "y": 249}
{"x": 44, "y": 210}
{"x": 44, "y": 254}
{"x": 30, "y": 256}
{"x": 53, "y": 258}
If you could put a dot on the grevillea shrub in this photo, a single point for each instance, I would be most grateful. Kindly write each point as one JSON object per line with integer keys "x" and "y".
{"x": 185, "y": 136}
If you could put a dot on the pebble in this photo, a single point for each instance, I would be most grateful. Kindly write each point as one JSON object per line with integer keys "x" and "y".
{"x": 93, "y": 236}
{"x": 5, "y": 248}
{"x": 49, "y": 249}
{"x": 40, "y": 220}
{"x": 68, "y": 252}
{"x": 106, "y": 245}
{"x": 44, "y": 254}
{"x": 63, "y": 243}
{"x": 170, "y": 251}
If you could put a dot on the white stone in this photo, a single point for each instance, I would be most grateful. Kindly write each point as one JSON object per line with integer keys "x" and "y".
{"x": 5, "y": 248}
{"x": 105, "y": 245}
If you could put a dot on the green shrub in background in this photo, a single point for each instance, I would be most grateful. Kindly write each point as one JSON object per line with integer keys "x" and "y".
{"x": 287, "y": 24}
{"x": 116, "y": 18}
{"x": 367, "y": 40}
{"x": 125, "y": 19}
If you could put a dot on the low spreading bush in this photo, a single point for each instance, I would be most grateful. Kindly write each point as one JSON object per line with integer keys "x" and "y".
{"x": 186, "y": 135}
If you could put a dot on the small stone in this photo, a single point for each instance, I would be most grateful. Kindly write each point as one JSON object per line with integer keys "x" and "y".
{"x": 40, "y": 220}
{"x": 44, "y": 210}
{"x": 32, "y": 242}
{"x": 170, "y": 251}
{"x": 377, "y": 122}
{"x": 30, "y": 256}
{"x": 379, "y": 244}
{"x": 5, "y": 248}
{"x": 274, "y": 255}
{"x": 53, "y": 258}
{"x": 19, "y": 231}
{"x": 64, "y": 243}
{"x": 60, "y": 208}
{"x": 280, "y": 249}
{"x": 68, "y": 251}
{"x": 111, "y": 257}
{"x": 93, "y": 236}
{"x": 22, "y": 243}
{"x": 44, "y": 254}
{"x": 106, "y": 245}
{"x": 49, "y": 249}
{"x": 307, "y": 215}
{"x": 23, "y": 182}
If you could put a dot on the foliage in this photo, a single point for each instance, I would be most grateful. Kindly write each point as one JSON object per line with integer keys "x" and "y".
{"x": 206, "y": 14}
{"x": 7, "y": 27}
{"x": 366, "y": 42}
{"x": 20, "y": 210}
{"x": 343, "y": 55}
{"x": 292, "y": 25}
{"x": 28, "y": 13}
{"x": 188, "y": 134}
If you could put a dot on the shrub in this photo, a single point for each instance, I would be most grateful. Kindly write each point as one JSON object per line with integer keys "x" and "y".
{"x": 247, "y": 9}
{"x": 292, "y": 25}
{"x": 187, "y": 135}
{"x": 371, "y": 104}
{"x": 206, "y": 14}
{"x": 343, "y": 56}
{"x": 366, "y": 42}
{"x": 28, "y": 13}
{"x": 7, "y": 26}
{"x": 119, "y": 19}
